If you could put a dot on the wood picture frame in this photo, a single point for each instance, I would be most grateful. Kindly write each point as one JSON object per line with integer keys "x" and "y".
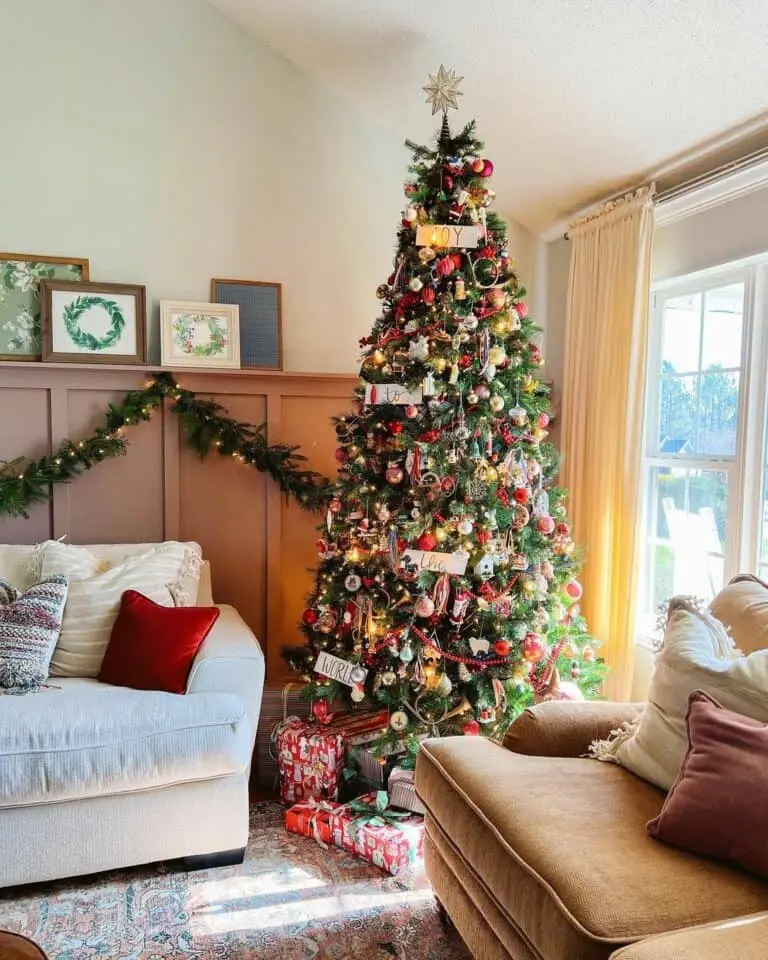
{"x": 20, "y": 312}
{"x": 93, "y": 322}
{"x": 261, "y": 319}
{"x": 201, "y": 335}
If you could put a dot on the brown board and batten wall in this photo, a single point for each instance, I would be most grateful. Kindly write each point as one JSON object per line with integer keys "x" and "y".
{"x": 261, "y": 548}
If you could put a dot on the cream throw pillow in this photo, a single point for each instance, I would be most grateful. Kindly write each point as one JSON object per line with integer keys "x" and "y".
{"x": 697, "y": 654}
{"x": 96, "y": 585}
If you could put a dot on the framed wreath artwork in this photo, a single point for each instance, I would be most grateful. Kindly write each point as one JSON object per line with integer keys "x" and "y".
{"x": 199, "y": 334}
{"x": 20, "y": 277}
{"x": 93, "y": 322}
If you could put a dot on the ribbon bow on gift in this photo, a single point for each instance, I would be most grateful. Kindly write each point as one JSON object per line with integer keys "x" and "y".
{"x": 376, "y": 814}
{"x": 318, "y": 807}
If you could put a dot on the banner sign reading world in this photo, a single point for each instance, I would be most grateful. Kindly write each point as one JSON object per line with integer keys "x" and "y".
{"x": 337, "y": 669}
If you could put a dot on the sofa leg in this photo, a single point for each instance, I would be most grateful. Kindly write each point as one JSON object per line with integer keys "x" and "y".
{"x": 445, "y": 920}
{"x": 206, "y": 861}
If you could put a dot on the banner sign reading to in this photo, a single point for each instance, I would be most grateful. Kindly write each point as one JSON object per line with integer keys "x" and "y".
{"x": 338, "y": 669}
{"x": 392, "y": 393}
{"x": 447, "y": 235}
{"x": 455, "y": 562}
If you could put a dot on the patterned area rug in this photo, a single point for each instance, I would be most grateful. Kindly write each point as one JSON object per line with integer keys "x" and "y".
{"x": 289, "y": 900}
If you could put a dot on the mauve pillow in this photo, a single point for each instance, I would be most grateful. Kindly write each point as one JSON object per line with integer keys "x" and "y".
{"x": 718, "y": 806}
{"x": 152, "y": 646}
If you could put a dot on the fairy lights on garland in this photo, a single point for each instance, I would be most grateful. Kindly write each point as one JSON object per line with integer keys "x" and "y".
{"x": 24, "y": 482}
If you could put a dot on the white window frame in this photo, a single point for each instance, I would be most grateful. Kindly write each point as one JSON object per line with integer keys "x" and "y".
{"x": 745, "y": 470}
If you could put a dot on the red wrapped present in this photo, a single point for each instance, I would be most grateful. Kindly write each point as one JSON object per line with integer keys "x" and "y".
{"x": 390, "y": 839}
{"x": 311, "y": 818}
{"x": 401, "y": 788}
{"x": 310, "y": 759}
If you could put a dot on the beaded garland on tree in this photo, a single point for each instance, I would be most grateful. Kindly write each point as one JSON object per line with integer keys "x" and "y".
{"x": 447, "y": 569}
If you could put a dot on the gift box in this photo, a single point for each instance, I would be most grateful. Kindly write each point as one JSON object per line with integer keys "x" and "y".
{"x": 311, "y": 757}
{"x": 278, "y": 703}
{"x": 311, "y": 818}
{"x": 401, "y": 788}
{"x": 369, "y": 827}
{"x": 310, "y": 760}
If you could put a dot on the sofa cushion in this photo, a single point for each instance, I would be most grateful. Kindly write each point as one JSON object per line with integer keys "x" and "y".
{"x": 30, "y": 622}
{"x": 82, "y": 738}
{"x": 577, "y": 830}
{"x": 745, "y": 938}
{"x": 742, "y": 606}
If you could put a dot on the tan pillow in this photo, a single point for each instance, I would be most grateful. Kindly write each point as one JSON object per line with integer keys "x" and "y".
{"x": 742, "y": 608}
{"x": 697, "y": 654}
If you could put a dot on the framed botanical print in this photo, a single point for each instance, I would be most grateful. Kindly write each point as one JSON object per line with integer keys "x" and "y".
{"x": 20, "y": 277}
{"x": 260, "y": 306}
{"x": 93, "y": 322}
{"x": 199, "y": 334}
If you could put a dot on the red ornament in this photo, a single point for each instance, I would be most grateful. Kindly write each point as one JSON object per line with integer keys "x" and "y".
{"x": 428, "y": 295}
{"x": 471, "y": 728}
{"x": 545, "y": 524}
{"x": 310, "y": 616}
{"x": 483, "y": 536}
{"x": 501, "y": 648}
{"x": 520, "y": 494}
{"x": 321, "y": 711}
{"x": 426, "y": 541}
{"x": 487, "y": 170}
{"x": 534, "y": 648}
{"x": 574, "y": 590}
{"x": 446, "y": 266}
{"x": 478, "y": 165}
{"x": 395, "y": 426}
{"x": 341, "y": 455}
{"x": 563, "y": 529}
{"x": 430, "y": 436}
{"x": 543, "y": 420}
{"x": 411, "y": 411}
{"x": 465, "y": 361}
{"x": 458, "y": 260}
{"x": 405, "y": 223}
{"x": 368, "y": 582}
{"x": 522, "y": 310}
{"x": 447, "y": 182}
{"x": 486, "y": 253}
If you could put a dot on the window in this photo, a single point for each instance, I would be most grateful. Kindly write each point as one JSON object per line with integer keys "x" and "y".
{"x": 705, "y": 514}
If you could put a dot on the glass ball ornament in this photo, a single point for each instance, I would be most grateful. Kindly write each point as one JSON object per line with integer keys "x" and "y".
{"x": 482, "y": 391}
{"x": 444, "y": 686}
{"x": 399, "y": 721}
{"x": 496, "y": 403}
{"x": 406, "y": 652}
{"x": 471, "y": 728}
{"x": 388, "y": 678}
{"x": 534, "y": 648}
{"x": 357, "y": 675}
{"x": 378, "y": 357}
{"x": 357, "y": 693}
{"x": 518, "y": 415}
{"x": 424, "y": 606}
{"x": 394, "y": 474}
{"x": 415, "y": 284}
{"x": 353, "y": 583}
{"x": 497, "y": 355}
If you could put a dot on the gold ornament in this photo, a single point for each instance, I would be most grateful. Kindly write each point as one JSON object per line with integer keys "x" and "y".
{"x": 439, "y": 363}
{"x": 378, "y": 357}
{"x": 497, "y": 355}
{"x": 443, "y": 90}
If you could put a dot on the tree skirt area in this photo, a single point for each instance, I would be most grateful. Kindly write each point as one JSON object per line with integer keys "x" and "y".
{"x": 289, "y": 900}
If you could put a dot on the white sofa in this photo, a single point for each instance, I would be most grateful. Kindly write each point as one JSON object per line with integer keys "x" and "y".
{"x": 95, "y": 777}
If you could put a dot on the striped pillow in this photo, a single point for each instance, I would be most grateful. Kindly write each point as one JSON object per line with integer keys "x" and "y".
{"x": 29, "y": 627}
{"x": 96, "y": 587}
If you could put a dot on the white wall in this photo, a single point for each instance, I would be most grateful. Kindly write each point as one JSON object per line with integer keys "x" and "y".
{"x": 167, "y": 145}
{"x": 727, "y": 232}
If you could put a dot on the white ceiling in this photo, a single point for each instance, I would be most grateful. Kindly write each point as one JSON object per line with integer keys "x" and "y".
{"x": 574, "y": 98}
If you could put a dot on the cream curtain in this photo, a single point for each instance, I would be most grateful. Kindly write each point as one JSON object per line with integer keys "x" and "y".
{"x": 602, "y": 423}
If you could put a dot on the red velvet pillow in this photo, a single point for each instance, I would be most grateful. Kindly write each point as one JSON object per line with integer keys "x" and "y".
{"x": 718, "y": 806}
{"x": 152, "y": 647}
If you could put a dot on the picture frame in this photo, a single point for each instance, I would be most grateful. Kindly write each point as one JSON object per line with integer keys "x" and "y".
{"x": 20, "y": 313}
{"x": 261, "y": 328}
{"x": 202, "y": 335}
{"x": 93, "y": 322}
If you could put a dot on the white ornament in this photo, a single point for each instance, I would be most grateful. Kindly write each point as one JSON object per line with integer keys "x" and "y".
{"x": 357, "y": 675}
{"x": 419, "y": 349}
{"x": 464, "y": 526}
{"x": 353, "y": 583}
{"x": 358, "y": 693}
{"x": 479, "y": 645}
{"x": 444, "y": 686}
{"x": 398, "y": 721}
{"x": 415, "y": 284}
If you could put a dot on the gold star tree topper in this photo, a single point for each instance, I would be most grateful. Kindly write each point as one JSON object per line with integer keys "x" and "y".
{"x": 443, "y": 90}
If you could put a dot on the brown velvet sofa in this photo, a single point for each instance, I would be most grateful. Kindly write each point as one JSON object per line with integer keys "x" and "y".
{"x": 536, "y": 853}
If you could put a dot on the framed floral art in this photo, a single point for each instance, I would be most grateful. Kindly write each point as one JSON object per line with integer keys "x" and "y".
{"x": 93, "y": 322}
{"x": 199, "y": 334}
{"x": 20, "y": 277}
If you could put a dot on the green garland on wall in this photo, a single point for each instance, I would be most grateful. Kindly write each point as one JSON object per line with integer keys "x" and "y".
{"x": 24, "y": 481}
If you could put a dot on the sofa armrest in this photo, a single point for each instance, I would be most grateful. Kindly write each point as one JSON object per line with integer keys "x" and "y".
{"x": 230, "y": 661}
{"x": 560, "y": 728}
{"x": 743, "y": 937}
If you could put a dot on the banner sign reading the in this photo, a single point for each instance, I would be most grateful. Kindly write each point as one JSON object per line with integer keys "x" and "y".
{"x": 455, "y": 562}
{"x": 338, "y": 669}
{"x": 447, "y": 235}
{"x": 392, "y": 393}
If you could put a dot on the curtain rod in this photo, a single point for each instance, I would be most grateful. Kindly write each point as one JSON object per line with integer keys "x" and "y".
{"x": 694, "y": 183}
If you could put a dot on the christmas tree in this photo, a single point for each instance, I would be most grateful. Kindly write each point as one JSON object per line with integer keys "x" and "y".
{"x": 446, "y": 589}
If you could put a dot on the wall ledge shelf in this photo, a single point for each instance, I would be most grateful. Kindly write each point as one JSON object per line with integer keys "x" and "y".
{"x": 255, "y": 372}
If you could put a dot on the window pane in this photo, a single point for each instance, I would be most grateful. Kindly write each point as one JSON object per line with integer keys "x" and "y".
{"x": 681, "y": 334}
{"x": 685, "y": 534}
{"x": 764, "y": 529}
{"x": 677, "y": 415}
{"x": 723, "y": 317}
{"x": 718, "y": 412}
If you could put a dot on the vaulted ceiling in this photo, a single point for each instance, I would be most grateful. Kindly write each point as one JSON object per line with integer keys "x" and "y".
{"x": 574, "y": 98}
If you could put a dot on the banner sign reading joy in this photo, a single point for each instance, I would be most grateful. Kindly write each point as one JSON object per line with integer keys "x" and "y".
{"x": 447, "y": 235}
